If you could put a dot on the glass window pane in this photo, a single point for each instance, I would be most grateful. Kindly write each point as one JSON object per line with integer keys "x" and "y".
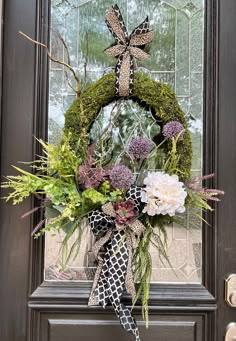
{"x": 176, "y": 58}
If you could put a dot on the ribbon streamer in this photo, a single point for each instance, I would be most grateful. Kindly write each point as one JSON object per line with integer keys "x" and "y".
{"x": 114, "y": 271}
{"x": 127, "y": 48}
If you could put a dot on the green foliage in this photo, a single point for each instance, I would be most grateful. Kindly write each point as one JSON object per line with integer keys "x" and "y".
{"x": 22, "y": 185}
{"x": 91, "y": 199}
{"x": 171, "y": 165}
{"x": 55, "y": 175}
{"x": 196, "y": 205}
{"x": 143, "y": 270}
{"x": 112, "y": 194}
{"x": 155, "y": 235}
{"x": 94, "y": 196}
{"x": 60, "y": 158}
{"x": 195, "y": 200}
{"x": 51, "y": 212}
{"x": 105, "y": 187}
{"x": 55, "y": 178}
{"x": 70, "y": 253}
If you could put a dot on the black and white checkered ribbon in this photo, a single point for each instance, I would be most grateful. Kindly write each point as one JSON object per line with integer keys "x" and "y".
{"x": 111, "y": 275}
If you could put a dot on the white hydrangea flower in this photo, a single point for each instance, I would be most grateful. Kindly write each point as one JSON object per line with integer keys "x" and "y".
{"x": 163, "y": 194}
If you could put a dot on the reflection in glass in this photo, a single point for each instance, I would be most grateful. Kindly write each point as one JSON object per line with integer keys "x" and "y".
{"x": 176, "y": 59}
{"x": 122, "y": 122}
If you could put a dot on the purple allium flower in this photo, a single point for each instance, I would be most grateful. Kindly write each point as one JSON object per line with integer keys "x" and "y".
{"x": 121, "y": 177}
{"x": 139, "y": 148}
{"x": 172, "y": 129}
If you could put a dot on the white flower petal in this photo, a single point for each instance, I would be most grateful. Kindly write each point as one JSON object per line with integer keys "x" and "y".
{"x": 163, "y": 194}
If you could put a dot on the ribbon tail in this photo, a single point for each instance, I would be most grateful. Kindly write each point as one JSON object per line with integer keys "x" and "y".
{"x": 119, "y": 262}
{"x": 125, "y": 75}
{"x": 101, "y": 269}
{"x": 141, "y": 28}
{"x": 128, "y": 322}
{"x": 93, "y": 300}
{"x": 129, "y": 279}
{"x": 114, "y": 271}
{"x": 117, "y": 268}
{"x": 100, "y": 292}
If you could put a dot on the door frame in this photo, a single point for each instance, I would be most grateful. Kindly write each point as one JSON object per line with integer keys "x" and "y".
{"x": 25, "y": 78}
{"x": 1, "y": 60}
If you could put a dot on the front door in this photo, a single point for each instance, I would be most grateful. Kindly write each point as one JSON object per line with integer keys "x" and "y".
{"x": 194, "y": 52}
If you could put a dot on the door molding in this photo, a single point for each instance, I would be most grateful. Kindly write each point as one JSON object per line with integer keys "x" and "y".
{"x": 169, "y": 292}
{"x": 1, "y": 61}
{"x": 179, "y": 298}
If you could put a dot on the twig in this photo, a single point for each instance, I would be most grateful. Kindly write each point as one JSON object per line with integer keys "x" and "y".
{"x": 64, "y": 44}
{"x": 86, "y": 57}
{"x": 69, "y": 83}
{"x": 68, "y": 58}
{"x": 117, "y": 104}
{"x": 55, "y": 60}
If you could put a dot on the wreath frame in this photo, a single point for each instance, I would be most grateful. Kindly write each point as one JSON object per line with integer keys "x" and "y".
{"x": 157, "y": 96}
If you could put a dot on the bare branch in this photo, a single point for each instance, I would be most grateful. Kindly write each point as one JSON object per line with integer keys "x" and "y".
{"x": 64, "y": 44}
{"x": 86, "y": 56}
{"x": 69, "y": 83}
{"x": 116, "y": 105}
{"x": 55, "y": 60}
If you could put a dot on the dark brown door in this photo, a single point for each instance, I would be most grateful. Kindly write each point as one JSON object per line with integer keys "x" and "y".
{"x": 34, "y": 307}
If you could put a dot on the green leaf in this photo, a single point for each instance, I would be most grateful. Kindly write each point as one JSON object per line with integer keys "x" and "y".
{"x": 64, "y": 246}
{"x": 75, "y": 248}
{"x": 51, "y": 213}
{"x": 22, "y": 171}
{"x": 94, "y": 196}
{"x": 58, "y": 208}
{"x": 117, "y": 194}
{"x": 105, "y": 187}
{"x": 68, "y": 226}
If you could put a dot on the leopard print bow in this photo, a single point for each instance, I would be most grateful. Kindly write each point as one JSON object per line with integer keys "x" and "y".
{"x": 114, "y": 271}
{"x": 127, "y": 48}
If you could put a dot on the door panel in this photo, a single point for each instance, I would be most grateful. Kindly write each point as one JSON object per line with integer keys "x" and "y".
{"x": 34, "y": 310}
{"x": 101, "y": 327}
{"x": 17, "y": 123}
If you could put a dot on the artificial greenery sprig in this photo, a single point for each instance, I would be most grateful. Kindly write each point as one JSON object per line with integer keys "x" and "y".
{"x": 56, "y": 177}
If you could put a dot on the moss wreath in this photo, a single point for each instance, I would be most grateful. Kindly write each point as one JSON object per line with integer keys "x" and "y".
{"x": 157, "y": 96}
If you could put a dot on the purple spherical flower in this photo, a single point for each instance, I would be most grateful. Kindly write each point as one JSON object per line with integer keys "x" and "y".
{"x": 121, "y": 177}
{"x": 172, "y": 129}
{"x": 139, "y": 148}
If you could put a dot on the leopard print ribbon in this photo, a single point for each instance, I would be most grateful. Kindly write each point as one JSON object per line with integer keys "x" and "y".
{"x": 114, "y": 271}
{"x": 127, "y": 48}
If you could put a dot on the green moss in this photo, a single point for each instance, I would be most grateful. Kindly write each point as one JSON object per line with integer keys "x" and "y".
{"x": 159, "y": 97}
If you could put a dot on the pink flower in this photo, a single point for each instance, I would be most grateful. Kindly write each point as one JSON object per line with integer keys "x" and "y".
{"x": 90, "y": 176}
{"x": 195, "y": 184}
{"x": 125, "y": 212}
